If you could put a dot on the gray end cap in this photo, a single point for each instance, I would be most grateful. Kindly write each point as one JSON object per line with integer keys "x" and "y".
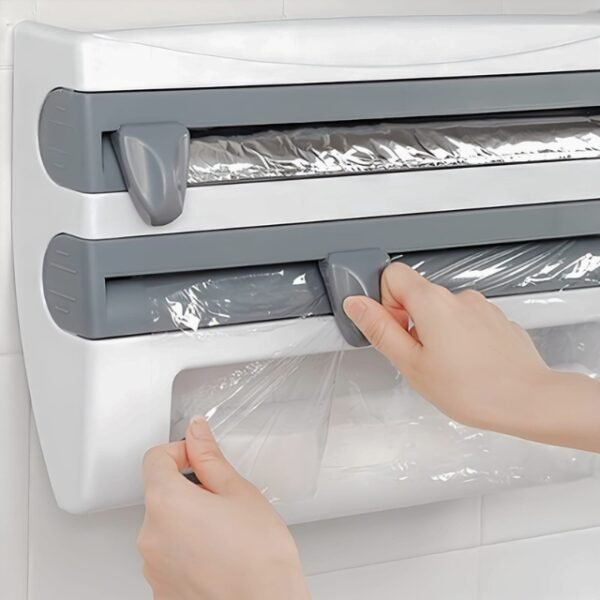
{"x": 154, "y": 159}
{"x": 352, "y": 273}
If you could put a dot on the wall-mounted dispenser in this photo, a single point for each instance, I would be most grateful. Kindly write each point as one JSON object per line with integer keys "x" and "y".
{"x": 236, "y": 181}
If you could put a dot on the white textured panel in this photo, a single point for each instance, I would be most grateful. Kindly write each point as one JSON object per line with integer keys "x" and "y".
{"x": 558, "y": 567}
{"x": 541, "y": 511}
{"x": 450, "y": 576}
{"x": 11, "y": 12}
{"x": 387, "y": 536}
{"x": 345, "y": 8}
{"x": 92, "y": 557}
{"x": 103, "y": 14}
{"x": 14, "y": 461}
{"x": 550, "y": 7}
{"x": 9, "y": 329}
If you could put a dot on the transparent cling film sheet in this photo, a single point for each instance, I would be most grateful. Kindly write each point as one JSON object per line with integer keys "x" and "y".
{"x": 347, "y": 149}
{"x": 202, "y": 300}
{"x": 326, "y": 435}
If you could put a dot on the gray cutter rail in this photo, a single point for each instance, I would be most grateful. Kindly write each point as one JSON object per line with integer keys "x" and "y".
{"x": 108, "y": 288}
{"x": 106, "y": 141}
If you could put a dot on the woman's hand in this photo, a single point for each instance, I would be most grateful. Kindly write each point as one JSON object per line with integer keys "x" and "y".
{"x": 460, "y": 352}
{"x": 218, "y": 541}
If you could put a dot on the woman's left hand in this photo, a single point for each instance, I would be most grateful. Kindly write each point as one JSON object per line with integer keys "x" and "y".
{"x": 220, "y": 540}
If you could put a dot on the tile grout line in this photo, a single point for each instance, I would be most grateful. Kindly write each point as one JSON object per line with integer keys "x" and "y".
{"x": 394, "y": 560}
{"x": 19, "y": 356}
{"x": 453, "y": 550}
{"x": 537, "y": 536}
{"x": 478, "y": 555}
{"x": 8, "y": 69}
{"x": 478, "y": 577}
{"x": 27, "y": 573}
{"x": 28, "y": 528}
{"x": 481, "y": 520}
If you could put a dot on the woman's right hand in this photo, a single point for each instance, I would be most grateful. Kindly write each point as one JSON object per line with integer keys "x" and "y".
{"x": 460, "y": 352}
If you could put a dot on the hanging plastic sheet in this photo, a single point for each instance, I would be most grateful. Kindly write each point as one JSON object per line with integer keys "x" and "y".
{"x": 327, "y": 435}
{"x": 192, "y": 302}
{"x": 270, "y": 418}
{"x": 511, "y": 269}
{"x": 389, "y": 147}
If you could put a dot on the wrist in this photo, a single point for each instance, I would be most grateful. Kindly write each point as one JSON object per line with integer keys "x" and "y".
{"x": 286, "y": 580}
{"x": 292, "y": 587}
{"x": 536, "y": 419}
{"x": 519, "y": 404}
{"x": 557, "y": 408}
{"x": 569, "y": 412}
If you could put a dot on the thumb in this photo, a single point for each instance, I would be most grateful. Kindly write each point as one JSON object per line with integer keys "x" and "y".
{"x": 206, "y": 459}
{"x": 385, "y": 333}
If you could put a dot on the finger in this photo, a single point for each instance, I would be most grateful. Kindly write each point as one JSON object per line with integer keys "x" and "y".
{"x": 207, "y": 460}
{"x": 382, "y": 330}
{"x": 402, "y": 285}
{"x": 164, "y": 463}
{"x": 400, "y": 315}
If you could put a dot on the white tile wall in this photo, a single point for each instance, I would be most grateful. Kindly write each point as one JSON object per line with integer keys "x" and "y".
{"x": 556, "y": 7}
{"x": 449, "y": 576}
{"x": 309, "y": 8}
{"x": 14, "y": 474}
{"x": 9, "y": 329}
{"x": 390, "y": 555}
{"x": 388, "y": 536}
{"x": 11, "y": 12}
{"x": 539, "y": 511}
{"x": 559, "y": 567}
{"x": 334, "y": 8}
{"x": 102, "y": 14}
{"x": 91, "y": 557}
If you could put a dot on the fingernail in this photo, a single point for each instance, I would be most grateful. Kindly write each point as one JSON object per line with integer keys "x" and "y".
{"x": 355, "y": 308}
{"x": 197, "y": 427}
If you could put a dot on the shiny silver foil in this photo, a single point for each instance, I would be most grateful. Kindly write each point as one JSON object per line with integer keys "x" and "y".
{"x": 389, "y": 147}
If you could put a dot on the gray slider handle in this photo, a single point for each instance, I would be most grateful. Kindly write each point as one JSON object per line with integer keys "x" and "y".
{"x": 352, "y": 273}
{"x": 154, "y": 161}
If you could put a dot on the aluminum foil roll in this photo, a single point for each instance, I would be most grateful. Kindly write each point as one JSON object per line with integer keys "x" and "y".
{"x": 390, "y": 147}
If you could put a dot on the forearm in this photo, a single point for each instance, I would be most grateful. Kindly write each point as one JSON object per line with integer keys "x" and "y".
{"x": 562, "y": 410}
{"x": 477, "y": 367}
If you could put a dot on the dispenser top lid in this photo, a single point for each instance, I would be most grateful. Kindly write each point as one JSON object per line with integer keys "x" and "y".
{"x": 369, "y": 42}
{"x": 312, "y": 50}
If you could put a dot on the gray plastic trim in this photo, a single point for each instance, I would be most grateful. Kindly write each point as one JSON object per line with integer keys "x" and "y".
{"x": 75, "y": 127}
{"x": 147, "y": 304}
{"x": 154, "y": 159}
{"x": 76, "y": 271}
{"x": 353, "y": 273}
